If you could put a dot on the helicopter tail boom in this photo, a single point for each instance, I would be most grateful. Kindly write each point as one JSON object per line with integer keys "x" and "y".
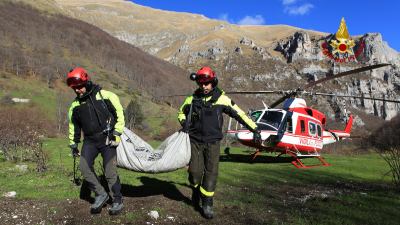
{"x": 332, "y": 136}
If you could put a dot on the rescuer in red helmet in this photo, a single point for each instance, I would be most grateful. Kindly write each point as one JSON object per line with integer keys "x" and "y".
{"x": 99, "y": 115}
{"x": 206, "y": 105}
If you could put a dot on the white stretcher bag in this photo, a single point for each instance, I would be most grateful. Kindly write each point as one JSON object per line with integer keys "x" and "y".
{"x": 135, "y": 154}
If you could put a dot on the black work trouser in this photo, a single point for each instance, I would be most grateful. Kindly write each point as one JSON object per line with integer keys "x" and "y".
{"x": 90, "y": 150}
{"x": 203, "y": 166}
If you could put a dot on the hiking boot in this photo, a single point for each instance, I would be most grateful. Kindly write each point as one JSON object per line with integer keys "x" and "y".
{"x": 208, "y": 212}
{"x": 196, "y": 198}
{"x": 99, "y": 201}
{"x": 116, "y": 208}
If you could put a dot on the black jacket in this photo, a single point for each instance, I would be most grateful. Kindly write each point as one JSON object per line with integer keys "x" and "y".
{"x": 207, "y": 119}
{"x": 92, "y": 113}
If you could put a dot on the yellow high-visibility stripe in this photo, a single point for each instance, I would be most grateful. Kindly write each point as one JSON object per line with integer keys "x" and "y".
{"x": 195, "y": 185}
{"x": 225, "y": 100}
{"x": 206, "y": 193}
{"x": 71, "y": 125}
{"x": 181, "y": 114}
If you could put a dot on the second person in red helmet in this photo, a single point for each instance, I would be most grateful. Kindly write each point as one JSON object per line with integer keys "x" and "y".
{"x": 204, "y": 109}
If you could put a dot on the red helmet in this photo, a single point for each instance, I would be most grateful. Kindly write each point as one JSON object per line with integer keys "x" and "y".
{"x": 77, "y": 77}
{"x": 205, "y": 74}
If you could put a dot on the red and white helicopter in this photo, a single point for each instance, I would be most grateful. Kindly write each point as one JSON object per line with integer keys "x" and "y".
{"x": 296, "y": 130}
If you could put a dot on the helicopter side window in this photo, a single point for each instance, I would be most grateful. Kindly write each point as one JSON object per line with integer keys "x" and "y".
{"x": 302, "y": 126}
{"x": 312, "y": 127}
{"x": 319, "y": 130}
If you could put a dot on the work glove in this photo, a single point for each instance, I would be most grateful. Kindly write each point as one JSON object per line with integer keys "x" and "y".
{"x": 257, "y": 137}
{"x": 115, "y": 140}
{"x": 184, "y": 127}
{"x": 182, "y": 122}
{"x": 74, "y": 150}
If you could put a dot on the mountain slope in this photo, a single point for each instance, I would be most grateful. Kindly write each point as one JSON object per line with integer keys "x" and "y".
{"x": 42, "y": 46}
{"x": 162, "y": 33}
{"x": 247, "y": 57}
{"x": 58, "y": 42}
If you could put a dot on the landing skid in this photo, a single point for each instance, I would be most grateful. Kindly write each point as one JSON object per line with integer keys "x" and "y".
{"x": 296, "y": 155}
{"x": 255, "y": 154}
{"x": 300, "y": 165}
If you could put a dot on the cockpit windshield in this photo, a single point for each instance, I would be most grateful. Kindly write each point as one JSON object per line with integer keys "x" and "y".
{"x": 270, "y": 120}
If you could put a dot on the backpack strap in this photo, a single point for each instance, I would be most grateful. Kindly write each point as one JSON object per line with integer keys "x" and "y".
{"x": 105, "y": 104}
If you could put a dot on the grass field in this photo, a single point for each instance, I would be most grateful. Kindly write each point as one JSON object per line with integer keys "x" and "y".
{"x": 355, "y": 190}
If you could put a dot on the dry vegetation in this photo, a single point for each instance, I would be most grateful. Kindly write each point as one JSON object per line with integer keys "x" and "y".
{"x": 21, "y": 131}
{"x": 34, "y": 43}
{"x": 387, "y": 143}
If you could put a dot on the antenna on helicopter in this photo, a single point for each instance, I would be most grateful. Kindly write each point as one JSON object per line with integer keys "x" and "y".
{"x": 346, "y": 114}
{"x": 265, "y": 105}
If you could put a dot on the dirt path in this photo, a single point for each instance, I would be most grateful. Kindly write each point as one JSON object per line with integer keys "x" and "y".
{"x": 171, "y": 211}
{"x": 173, "y": 205}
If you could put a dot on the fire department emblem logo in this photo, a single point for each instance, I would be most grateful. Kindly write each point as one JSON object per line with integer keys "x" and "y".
{"x": 340, "y": 47}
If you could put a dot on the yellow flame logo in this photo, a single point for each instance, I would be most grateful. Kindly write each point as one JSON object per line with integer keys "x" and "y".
{"x": 342, "y": 44}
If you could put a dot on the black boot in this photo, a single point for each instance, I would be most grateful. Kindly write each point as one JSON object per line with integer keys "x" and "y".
{"x": 116, "y": 208}
{"x": 207, "y": 203}
{"x": 99, "y": 201}
{"x": 196, "y": 198}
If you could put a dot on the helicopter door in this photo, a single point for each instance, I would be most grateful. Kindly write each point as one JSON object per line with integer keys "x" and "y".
{"x": 289, "y": 124}
{"x": 302, "y": 126}
{"x": 312, "y": 128}
{"x": 319, "y": 131}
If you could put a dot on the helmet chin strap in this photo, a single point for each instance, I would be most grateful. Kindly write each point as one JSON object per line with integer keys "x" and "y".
{"x": 89, "y": 86}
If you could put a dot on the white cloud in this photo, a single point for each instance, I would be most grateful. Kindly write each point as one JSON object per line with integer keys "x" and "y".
{"x": 247, "y": 20}
{"x": 299, "y": 10}
{"x": 250, "y": 20}
{"x": 288, "y": 2}
{"x": 224, "y": 16}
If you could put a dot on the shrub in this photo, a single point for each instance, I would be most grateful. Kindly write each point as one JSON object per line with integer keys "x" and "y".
{"x": 387, "y": 143}
{"x": 21, "y": 130}
{"x": 134, "y": 114}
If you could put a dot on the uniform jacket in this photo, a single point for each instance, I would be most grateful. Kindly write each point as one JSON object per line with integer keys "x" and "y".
{"x": 91, "y": 112}
{"x": 207, "y": 119}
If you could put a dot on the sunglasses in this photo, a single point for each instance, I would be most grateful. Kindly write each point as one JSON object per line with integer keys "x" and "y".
{"x": 204, "y": 83}
{"x": 78, "y": 86}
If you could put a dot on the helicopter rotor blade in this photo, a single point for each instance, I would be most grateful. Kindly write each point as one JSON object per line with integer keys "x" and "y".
{"x": 283, "y": 98}
{"x": 342, "y": 74}
{"x": 254, "y": 92}
{"x": 355, "y": 96}
{"x": 288, "y": 94}
{"x": 169, "y": 96}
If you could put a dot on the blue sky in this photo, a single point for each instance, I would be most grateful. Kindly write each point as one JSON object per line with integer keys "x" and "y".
{"x": 361, "y": 16}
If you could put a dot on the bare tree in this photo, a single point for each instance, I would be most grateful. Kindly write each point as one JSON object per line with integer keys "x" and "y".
{"x": 387, "y": 143}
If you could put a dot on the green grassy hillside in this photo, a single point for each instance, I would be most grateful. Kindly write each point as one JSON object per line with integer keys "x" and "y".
{"x": 54, "y": 102}
{"x": 38, "y": 49}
